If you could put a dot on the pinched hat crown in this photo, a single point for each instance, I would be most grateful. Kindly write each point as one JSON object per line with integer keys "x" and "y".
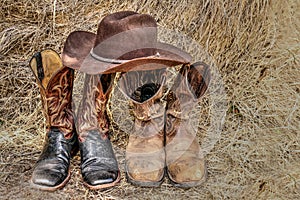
{"x": 125, "y": 36}
{"x": 120, "y": 22}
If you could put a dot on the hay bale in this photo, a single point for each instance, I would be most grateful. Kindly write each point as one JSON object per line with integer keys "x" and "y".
{"x": 255, "y": 45}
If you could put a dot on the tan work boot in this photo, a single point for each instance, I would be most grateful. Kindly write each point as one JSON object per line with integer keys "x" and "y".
{"x": 55, "y": 81}
{"x": 145, "y": 156}
{"x": 99, "y": 166}
{"x": 184, "y": 160}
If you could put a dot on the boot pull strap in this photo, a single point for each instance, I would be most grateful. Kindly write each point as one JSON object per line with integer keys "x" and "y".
{"x": 39, "y": 65}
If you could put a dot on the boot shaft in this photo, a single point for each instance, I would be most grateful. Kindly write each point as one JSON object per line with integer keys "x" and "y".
{"x": 92, "y": 113}
{"x": 55, "y": 83}
{"x": 144, "y": 89}
{"x": 190, "y": 85}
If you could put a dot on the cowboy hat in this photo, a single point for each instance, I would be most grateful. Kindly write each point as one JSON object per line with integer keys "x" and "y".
{"x": 124, "y": 41}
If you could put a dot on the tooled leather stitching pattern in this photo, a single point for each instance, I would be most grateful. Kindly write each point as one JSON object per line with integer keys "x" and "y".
{"x": 56, "y": 101}
{"x": 92, "y": 112}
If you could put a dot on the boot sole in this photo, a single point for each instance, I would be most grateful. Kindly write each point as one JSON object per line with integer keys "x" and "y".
{"x": 48, "y": 188}
{"x": 103, "y": 186}
{"x": 144, "y": 184}
{"x": 188, "y": 184}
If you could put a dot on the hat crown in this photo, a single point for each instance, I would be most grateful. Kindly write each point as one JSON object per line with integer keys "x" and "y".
{"x": 126, "y": 35}
{"x": 122, "y": 21}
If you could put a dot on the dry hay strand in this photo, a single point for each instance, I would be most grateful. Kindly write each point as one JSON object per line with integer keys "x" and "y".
{"x": 255, "y": 47}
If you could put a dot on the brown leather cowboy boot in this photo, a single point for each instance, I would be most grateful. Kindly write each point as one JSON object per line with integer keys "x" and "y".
{"x": 56, "y": 83}
{"x": 184, "y": 160}
{"x": 99, "y": 166}
{"x": 145, "y": 156}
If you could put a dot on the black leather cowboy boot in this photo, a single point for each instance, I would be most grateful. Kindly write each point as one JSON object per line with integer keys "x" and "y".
{"x": 145, "y": 154}
{"x": 55, "y": 81}
{"x": 184, "y": 159}
{"x": 99, "y": 166}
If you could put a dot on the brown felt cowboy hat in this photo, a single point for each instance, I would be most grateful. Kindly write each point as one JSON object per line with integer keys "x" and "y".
{"x": 124, "y": 41}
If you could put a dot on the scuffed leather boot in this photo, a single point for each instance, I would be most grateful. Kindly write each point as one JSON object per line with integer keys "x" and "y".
{"x": 55, "y": 83}
{"x": 145, "y": 155}
{"x": 184, "y": 160}
{"x": 99, "y": 166}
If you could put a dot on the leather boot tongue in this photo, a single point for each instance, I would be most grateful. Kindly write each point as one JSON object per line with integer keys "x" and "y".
{"x": 148, "y": 90}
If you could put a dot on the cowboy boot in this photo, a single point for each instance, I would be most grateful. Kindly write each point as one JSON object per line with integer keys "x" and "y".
{"x": 184, "y": 160}
{"x": 55, "y": 82}
{"x": 99, "y": 166}
{"x": 145, "y": 156}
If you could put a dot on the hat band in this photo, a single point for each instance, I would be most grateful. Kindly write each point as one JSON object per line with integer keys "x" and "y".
{"x": 107, "y": 60}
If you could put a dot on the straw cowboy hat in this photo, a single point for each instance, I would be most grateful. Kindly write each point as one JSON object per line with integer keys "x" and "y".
{"x": 124, "y": 41}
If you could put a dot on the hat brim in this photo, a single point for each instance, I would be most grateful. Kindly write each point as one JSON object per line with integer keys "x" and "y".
{"x": 76, "y": 55}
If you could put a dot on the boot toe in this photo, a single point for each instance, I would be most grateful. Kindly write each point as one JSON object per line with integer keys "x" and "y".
{"x": 48, "y": 180}
{"x": 187, "y": 174}
{"x": 145, "y": 173}
{"x": 96, "y": 178}
{"x": 140, "y": 177}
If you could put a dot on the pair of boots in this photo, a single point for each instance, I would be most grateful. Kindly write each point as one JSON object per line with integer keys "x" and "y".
{"x": 163, "y": 140}
{"x": 99, "y": 166}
